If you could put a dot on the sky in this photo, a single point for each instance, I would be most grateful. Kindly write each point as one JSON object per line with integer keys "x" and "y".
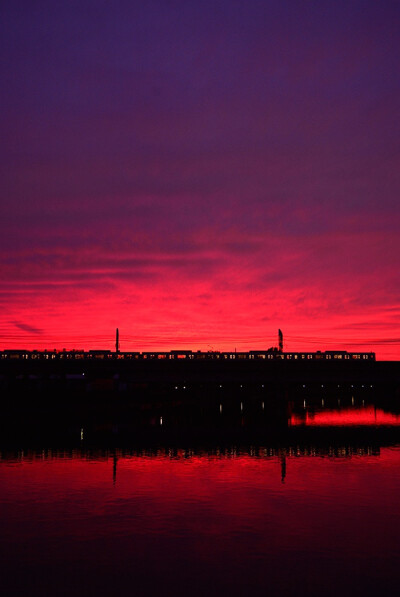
{"x": 200, "y": 174}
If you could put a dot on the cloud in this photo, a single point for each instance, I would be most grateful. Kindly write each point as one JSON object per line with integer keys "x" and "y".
{"x": 27, "y": 328}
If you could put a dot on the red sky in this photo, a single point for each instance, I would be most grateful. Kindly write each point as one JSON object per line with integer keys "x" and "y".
{"x": 200, "y": 175}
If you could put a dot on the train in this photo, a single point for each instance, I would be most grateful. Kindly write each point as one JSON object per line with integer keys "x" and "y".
{"x": 267, "y": 355}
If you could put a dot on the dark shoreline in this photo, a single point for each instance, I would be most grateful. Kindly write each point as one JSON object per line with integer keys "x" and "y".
{"x": 119, "y": 375}
{"x": 190, "y": 403}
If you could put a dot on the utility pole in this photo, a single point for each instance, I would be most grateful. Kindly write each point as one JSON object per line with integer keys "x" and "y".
{"x": 280, "y": 336}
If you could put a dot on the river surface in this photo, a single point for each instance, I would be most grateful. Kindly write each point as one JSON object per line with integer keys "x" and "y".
{"x": 304, "y": 518}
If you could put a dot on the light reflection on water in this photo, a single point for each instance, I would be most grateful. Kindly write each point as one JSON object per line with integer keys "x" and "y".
{"x": 352, "y": 416}
{"x": 308, "y": 515}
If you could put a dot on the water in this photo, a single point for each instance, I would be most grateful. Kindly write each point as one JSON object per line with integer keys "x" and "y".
{"x": 307, "y": 517}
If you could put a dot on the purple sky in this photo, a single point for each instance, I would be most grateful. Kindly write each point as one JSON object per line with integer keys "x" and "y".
{"x": 200, "y": 174}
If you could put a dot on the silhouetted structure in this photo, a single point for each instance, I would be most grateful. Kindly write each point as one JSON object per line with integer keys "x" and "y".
{"x": 117, "y": 341}
{"x": 273, "y": 353}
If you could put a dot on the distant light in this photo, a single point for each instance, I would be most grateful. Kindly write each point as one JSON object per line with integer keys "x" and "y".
{"x": 220, "y": 408}
{"x": 82, "y": 433}
{"x": 160, "y": 420}
{"x": 262, "y": 405}
{"x": 241, "y": 406}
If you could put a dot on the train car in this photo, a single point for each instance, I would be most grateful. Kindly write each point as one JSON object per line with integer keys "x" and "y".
{"x": 99, "y": 354}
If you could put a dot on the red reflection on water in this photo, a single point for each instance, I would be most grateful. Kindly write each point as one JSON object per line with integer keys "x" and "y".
{"x": 346, "y": 417}
{"x": 225, "y": 520}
